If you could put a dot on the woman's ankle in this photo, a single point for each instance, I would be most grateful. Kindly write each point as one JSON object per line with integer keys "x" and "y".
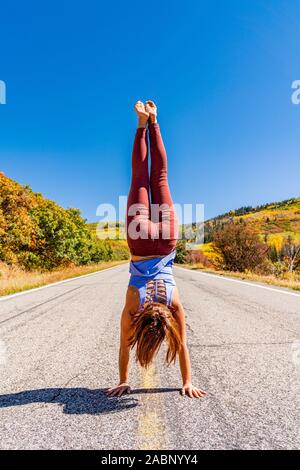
{"x": 142, "y": 122}
{"x": 151, "y": 108}
{"x": 152, "y": 119}
{"x": 152, "y": 124}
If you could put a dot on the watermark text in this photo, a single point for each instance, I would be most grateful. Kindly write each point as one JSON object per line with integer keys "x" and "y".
{"x": 2, "y": 92}
{"x": 295, "y": 97}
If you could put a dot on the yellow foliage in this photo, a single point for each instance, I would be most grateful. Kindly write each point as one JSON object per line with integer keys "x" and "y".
{"x": 276, "y": 240}
{"x": 212, "y": 253}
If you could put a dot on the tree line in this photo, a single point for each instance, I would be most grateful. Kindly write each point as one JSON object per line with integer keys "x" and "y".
{"x": 36, "y": 233}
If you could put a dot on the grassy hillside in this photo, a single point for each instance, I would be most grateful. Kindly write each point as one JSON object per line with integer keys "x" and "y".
{"x": 268, "y": 220}
{"x": 259, "y": 241}
{"x": 107, "y": 230}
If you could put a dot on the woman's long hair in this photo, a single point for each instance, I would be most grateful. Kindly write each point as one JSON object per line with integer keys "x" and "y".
{"x": 151, "y": 326}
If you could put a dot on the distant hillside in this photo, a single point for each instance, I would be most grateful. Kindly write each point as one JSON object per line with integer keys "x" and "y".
{"x": 264, "y": 240}
{"x": 275, "y": 218}
{"x": 106, "y": 229}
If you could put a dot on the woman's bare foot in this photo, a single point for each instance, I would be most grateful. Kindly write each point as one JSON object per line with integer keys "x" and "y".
{"x": 150, "y": 107}
{"x": 143, "y": 115}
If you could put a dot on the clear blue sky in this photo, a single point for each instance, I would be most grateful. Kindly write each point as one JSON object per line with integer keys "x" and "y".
{"x": 220, "y": 72}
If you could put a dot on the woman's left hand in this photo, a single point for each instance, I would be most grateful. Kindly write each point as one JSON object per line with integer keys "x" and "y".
{"x": 192, "y": 392}
{"x": 118, "y": 390}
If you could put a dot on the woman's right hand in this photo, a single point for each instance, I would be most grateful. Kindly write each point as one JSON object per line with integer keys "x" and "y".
{"x": 118, "y": 390}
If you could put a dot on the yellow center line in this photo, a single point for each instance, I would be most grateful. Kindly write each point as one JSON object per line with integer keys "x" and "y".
{"x": 151, "y": 430}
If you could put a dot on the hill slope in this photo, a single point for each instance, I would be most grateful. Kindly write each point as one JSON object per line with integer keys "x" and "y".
{"x": 268, "y": 220}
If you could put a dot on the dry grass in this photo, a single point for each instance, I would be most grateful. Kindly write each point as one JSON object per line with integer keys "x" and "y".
{"x": 290, "y": 280}
{"x": 14, "y": 279}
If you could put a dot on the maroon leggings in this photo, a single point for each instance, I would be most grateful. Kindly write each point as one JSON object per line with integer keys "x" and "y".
{"x": 151, "y": 219}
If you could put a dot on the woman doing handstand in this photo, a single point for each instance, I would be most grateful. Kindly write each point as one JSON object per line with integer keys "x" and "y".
{"x": 153, "y": 311}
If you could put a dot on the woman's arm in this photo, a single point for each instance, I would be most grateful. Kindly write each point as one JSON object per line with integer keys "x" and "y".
{"x": 184, "y": 356}
{"x": 124, "y": 347}
{"x": 131, "y": 306}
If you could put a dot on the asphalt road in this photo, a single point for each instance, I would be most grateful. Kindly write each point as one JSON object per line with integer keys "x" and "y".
{"x": 59, "y": 348}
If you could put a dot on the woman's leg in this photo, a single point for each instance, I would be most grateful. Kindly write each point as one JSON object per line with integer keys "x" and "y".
{"x": 138, "y": 203}
{"x": 160, "y": 191}
{"x": 162, "y": 209}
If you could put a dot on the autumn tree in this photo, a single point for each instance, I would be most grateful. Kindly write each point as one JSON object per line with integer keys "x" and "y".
{"x": 291, "y": 253}
{"x": 240, "y": 247}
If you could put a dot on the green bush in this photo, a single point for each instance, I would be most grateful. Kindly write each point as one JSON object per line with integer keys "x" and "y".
{"x": 181, "y": 252}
